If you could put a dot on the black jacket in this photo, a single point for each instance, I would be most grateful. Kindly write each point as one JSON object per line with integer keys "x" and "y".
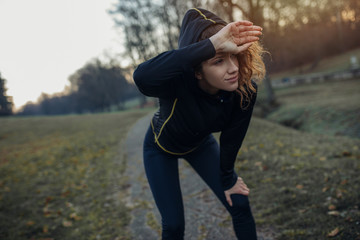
{"x": 187, "y": 114}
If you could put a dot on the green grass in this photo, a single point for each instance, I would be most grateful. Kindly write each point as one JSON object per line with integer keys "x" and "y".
{"x": 328, "y": 108}
{"x": 305, "y": 184}
{"x": 302, "y": 185}
{"x": 331, "y": 64}
{"x": 61, "y": 177}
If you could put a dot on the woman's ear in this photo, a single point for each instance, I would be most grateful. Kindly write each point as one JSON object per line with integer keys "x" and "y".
{"x": 198, "y": 75}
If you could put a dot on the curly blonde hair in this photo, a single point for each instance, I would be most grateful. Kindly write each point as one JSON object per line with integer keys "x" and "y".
{"x": 251, "y": 66}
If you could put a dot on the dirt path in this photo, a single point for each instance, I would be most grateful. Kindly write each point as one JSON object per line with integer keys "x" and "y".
{"x": 205, "y": 216}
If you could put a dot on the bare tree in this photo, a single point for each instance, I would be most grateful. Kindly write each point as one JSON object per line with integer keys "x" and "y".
{"x": 6, "y": 103}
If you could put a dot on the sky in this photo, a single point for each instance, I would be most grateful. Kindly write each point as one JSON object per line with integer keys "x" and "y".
{"x": 43, "y": 42}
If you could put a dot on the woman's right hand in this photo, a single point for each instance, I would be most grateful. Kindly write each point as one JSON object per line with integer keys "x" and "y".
{"x": 239, "y": 188}
{"x": 236, "y": 37}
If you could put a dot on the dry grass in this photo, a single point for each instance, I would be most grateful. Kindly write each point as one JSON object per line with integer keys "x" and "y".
{"x": 327, "y": 108}
{"x": 61, "y": 177}
{"x": 303, "y": 185}
{"x": 331, "y": 64}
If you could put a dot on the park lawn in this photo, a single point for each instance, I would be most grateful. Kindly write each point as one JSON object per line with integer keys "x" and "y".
{"x": 303, "y": 185}
{"x": 329, "y": 64}
{"x": 307, "y": 182}
{"x": 61, "y": 177}
{"x": 330, "y": 107}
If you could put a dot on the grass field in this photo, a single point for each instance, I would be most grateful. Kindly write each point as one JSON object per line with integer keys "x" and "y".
{"x": 303, "y": 185}
{"x": 309, "y": 184}
{"x": 60, "y": 176}
{"x": 336, "y": 63}
{"x": 327, "y": 108}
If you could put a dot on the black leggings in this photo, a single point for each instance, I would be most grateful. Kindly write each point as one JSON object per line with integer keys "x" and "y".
{"x": 163, "y": 176}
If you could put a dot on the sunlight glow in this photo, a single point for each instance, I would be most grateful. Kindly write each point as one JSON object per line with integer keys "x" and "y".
{"x": 348, "y": 15}
{"x": 45, "y": 41}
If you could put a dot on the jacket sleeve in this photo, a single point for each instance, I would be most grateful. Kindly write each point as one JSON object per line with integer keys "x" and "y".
{"x": 157, "y": 77}
{"x": 231, "y": 139}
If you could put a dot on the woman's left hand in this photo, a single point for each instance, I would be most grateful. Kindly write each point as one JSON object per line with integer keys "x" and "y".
{"x": 239, "y": 188}
{"x": 236, "y": 37}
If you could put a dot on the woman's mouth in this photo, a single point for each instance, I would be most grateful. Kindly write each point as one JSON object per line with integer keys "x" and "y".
{"x": 232, "y": 79}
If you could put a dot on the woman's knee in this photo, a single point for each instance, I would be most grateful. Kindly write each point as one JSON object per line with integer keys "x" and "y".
{"x": 173, "y": 230}
{"x": 240, "y": 201}
{"x": 240, "y": 207}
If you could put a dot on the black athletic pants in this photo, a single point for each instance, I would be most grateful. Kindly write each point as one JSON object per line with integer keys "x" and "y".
{"x": 163, "y": 176}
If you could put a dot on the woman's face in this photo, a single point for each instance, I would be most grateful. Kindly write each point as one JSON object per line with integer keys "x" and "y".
{"x": 219, "y": 73}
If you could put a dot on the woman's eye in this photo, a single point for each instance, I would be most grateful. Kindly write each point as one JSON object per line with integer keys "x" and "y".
{"x": 218, "y": 61}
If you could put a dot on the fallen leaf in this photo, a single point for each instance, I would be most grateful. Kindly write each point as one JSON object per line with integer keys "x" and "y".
{"x": 296, "y": 154}
{"x": 334, "y": 213}
{"x": 302, "y": 210}
{"x": 322, "y": 158}
{"x": 280, "y": 144}
{"x": 267, "y": 180}
{"x": 347, "y": 154}
{"x": 46, "y": 211}
{"x": 75, "y": 216}
{"x": 45, "y": 229}
{"x": 343, "y": 182}
{"x": 338, "y": 193}
{"x": 67, "y": 223}
{"x": 259, "y": 165}
{"x": 65, "y": 194}
{"x": 332, "y": 207}
{"x": 299, "y": 186}
{"x": 30, "y": 223}
{"x": 325, "y": 189}
{"x": 47, "y": 214}
{"x": 48, "y": 199}
{"x": 334, "y": 232}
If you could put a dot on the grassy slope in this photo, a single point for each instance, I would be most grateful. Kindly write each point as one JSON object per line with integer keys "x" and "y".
{"x": 309, "y": 181}
{"x": 303, "y": 185}
{"x": 331, "y": 107}
{"x": 59, "y": 176}
{"x": 330, "y": 64}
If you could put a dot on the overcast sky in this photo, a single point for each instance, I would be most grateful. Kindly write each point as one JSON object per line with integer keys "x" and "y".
{"x": 42, "y": 42}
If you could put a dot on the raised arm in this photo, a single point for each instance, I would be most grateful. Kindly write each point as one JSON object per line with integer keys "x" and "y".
{"x": 158, "y": 76}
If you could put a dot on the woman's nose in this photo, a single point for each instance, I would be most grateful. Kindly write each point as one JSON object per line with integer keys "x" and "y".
{"x": 233, "y": 66}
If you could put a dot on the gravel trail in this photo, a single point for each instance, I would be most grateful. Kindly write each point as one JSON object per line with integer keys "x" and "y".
{"x": 205, "y": 217}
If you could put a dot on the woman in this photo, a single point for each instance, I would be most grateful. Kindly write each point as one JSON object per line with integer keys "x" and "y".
{"x": 204, "y": 86}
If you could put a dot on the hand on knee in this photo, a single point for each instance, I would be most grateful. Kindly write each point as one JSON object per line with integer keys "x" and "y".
{"x": 239, "y": 188}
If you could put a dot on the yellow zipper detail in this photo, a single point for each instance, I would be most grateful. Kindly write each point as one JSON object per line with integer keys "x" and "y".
{"x": 162, "y": 127}
{"x": 204, "y": 15}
